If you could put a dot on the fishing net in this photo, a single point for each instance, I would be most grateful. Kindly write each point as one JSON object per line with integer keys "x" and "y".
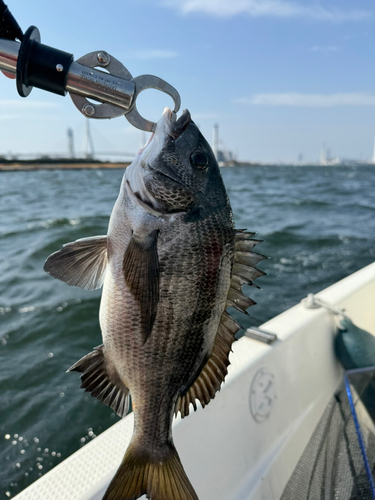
{"x": 339, "y": 460}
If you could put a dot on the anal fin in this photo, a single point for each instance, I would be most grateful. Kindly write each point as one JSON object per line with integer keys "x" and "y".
{"x": 96, "y": 379}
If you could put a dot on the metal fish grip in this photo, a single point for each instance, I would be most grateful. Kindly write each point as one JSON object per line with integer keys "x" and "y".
{"x": 116, "y": 90}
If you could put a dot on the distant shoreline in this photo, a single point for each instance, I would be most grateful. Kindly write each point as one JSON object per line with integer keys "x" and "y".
{"x": 68, "y": 164}
{"x": 30, "y": 165}
{"x": 24, "y": 165}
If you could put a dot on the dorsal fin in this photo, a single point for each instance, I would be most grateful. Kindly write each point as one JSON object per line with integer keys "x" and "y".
{"x": 213, "y": 373}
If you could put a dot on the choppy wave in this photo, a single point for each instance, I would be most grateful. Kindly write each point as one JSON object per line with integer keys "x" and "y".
{"x": 317, "y": 224}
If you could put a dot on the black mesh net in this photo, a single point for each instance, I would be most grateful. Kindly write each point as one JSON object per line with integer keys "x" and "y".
{"x": 339, "y": 460}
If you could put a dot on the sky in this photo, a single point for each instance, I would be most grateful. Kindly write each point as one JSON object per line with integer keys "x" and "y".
{"x": 279, "y": 77}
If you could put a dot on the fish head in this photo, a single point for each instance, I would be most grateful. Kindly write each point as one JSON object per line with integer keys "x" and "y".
{"x": 177, "y": 170}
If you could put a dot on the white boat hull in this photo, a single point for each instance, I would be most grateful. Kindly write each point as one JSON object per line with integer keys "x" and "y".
{"x": 246, "y": 443}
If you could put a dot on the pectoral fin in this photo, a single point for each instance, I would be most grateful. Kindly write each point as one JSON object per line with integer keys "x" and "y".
{"x": 141, "y": 274}
{"x": 81, "y": 263}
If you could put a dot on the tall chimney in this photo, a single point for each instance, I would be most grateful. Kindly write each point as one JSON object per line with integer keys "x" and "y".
{"x": 215, "y": 140}
{"x": 70, "y": 142}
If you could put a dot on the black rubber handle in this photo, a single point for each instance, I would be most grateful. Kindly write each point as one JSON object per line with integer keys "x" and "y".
{"x": 38, "y": 65}
{"x": 41, "y": 66}
{"x": 9, "y": 27}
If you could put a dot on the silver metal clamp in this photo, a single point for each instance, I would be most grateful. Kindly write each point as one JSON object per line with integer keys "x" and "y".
{"x": 116, "y": 91}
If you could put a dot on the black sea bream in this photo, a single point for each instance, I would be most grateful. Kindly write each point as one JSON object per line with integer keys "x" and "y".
{"x": 170, "y": 265}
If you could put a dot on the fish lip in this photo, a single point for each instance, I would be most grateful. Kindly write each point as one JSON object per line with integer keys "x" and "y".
{"x": 167, "y": 124}
{"x": 169, "y": 116}
{"x": 178, "y": 126}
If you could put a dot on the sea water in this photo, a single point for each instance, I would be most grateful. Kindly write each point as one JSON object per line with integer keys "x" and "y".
{"x": 318, "y": 226}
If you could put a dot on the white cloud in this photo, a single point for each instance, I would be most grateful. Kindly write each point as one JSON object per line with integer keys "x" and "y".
{"x": 274, "y": 8}
{"x": 143, "y": 54}
{"x": 310, "y": 100}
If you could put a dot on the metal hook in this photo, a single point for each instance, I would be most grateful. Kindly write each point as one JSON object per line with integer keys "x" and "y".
{"x": 116, "y": 92}
{"x": 142, "y": 83}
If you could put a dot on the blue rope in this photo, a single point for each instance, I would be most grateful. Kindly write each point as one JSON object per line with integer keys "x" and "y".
{"x": 359, "y": 436}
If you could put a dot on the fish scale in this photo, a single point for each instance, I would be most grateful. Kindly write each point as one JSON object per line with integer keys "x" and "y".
{"x": 170, "y": 265}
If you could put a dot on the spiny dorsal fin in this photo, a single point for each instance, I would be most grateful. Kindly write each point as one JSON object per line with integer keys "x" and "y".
{"x": 95, "y": 379}
{"x": 215, "y": 370}
{"x": 81, "y": 263}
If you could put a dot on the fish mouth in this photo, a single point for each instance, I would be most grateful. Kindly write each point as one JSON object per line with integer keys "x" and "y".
{"x": 177, "y": 126}
{"x": 136, "y": 184}
{"x": 172, "y": 126}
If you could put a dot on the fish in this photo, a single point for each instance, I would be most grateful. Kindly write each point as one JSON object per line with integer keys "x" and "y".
{"x": 170, "y": 266}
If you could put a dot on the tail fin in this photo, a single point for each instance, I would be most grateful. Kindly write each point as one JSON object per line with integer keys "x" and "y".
{"x": 158, "y": 478}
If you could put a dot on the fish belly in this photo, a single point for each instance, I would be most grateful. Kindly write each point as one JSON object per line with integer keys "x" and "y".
{"x": 194, "y": 269}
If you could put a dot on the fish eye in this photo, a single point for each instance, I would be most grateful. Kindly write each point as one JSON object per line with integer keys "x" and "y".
{"x": 199, "y": 160}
